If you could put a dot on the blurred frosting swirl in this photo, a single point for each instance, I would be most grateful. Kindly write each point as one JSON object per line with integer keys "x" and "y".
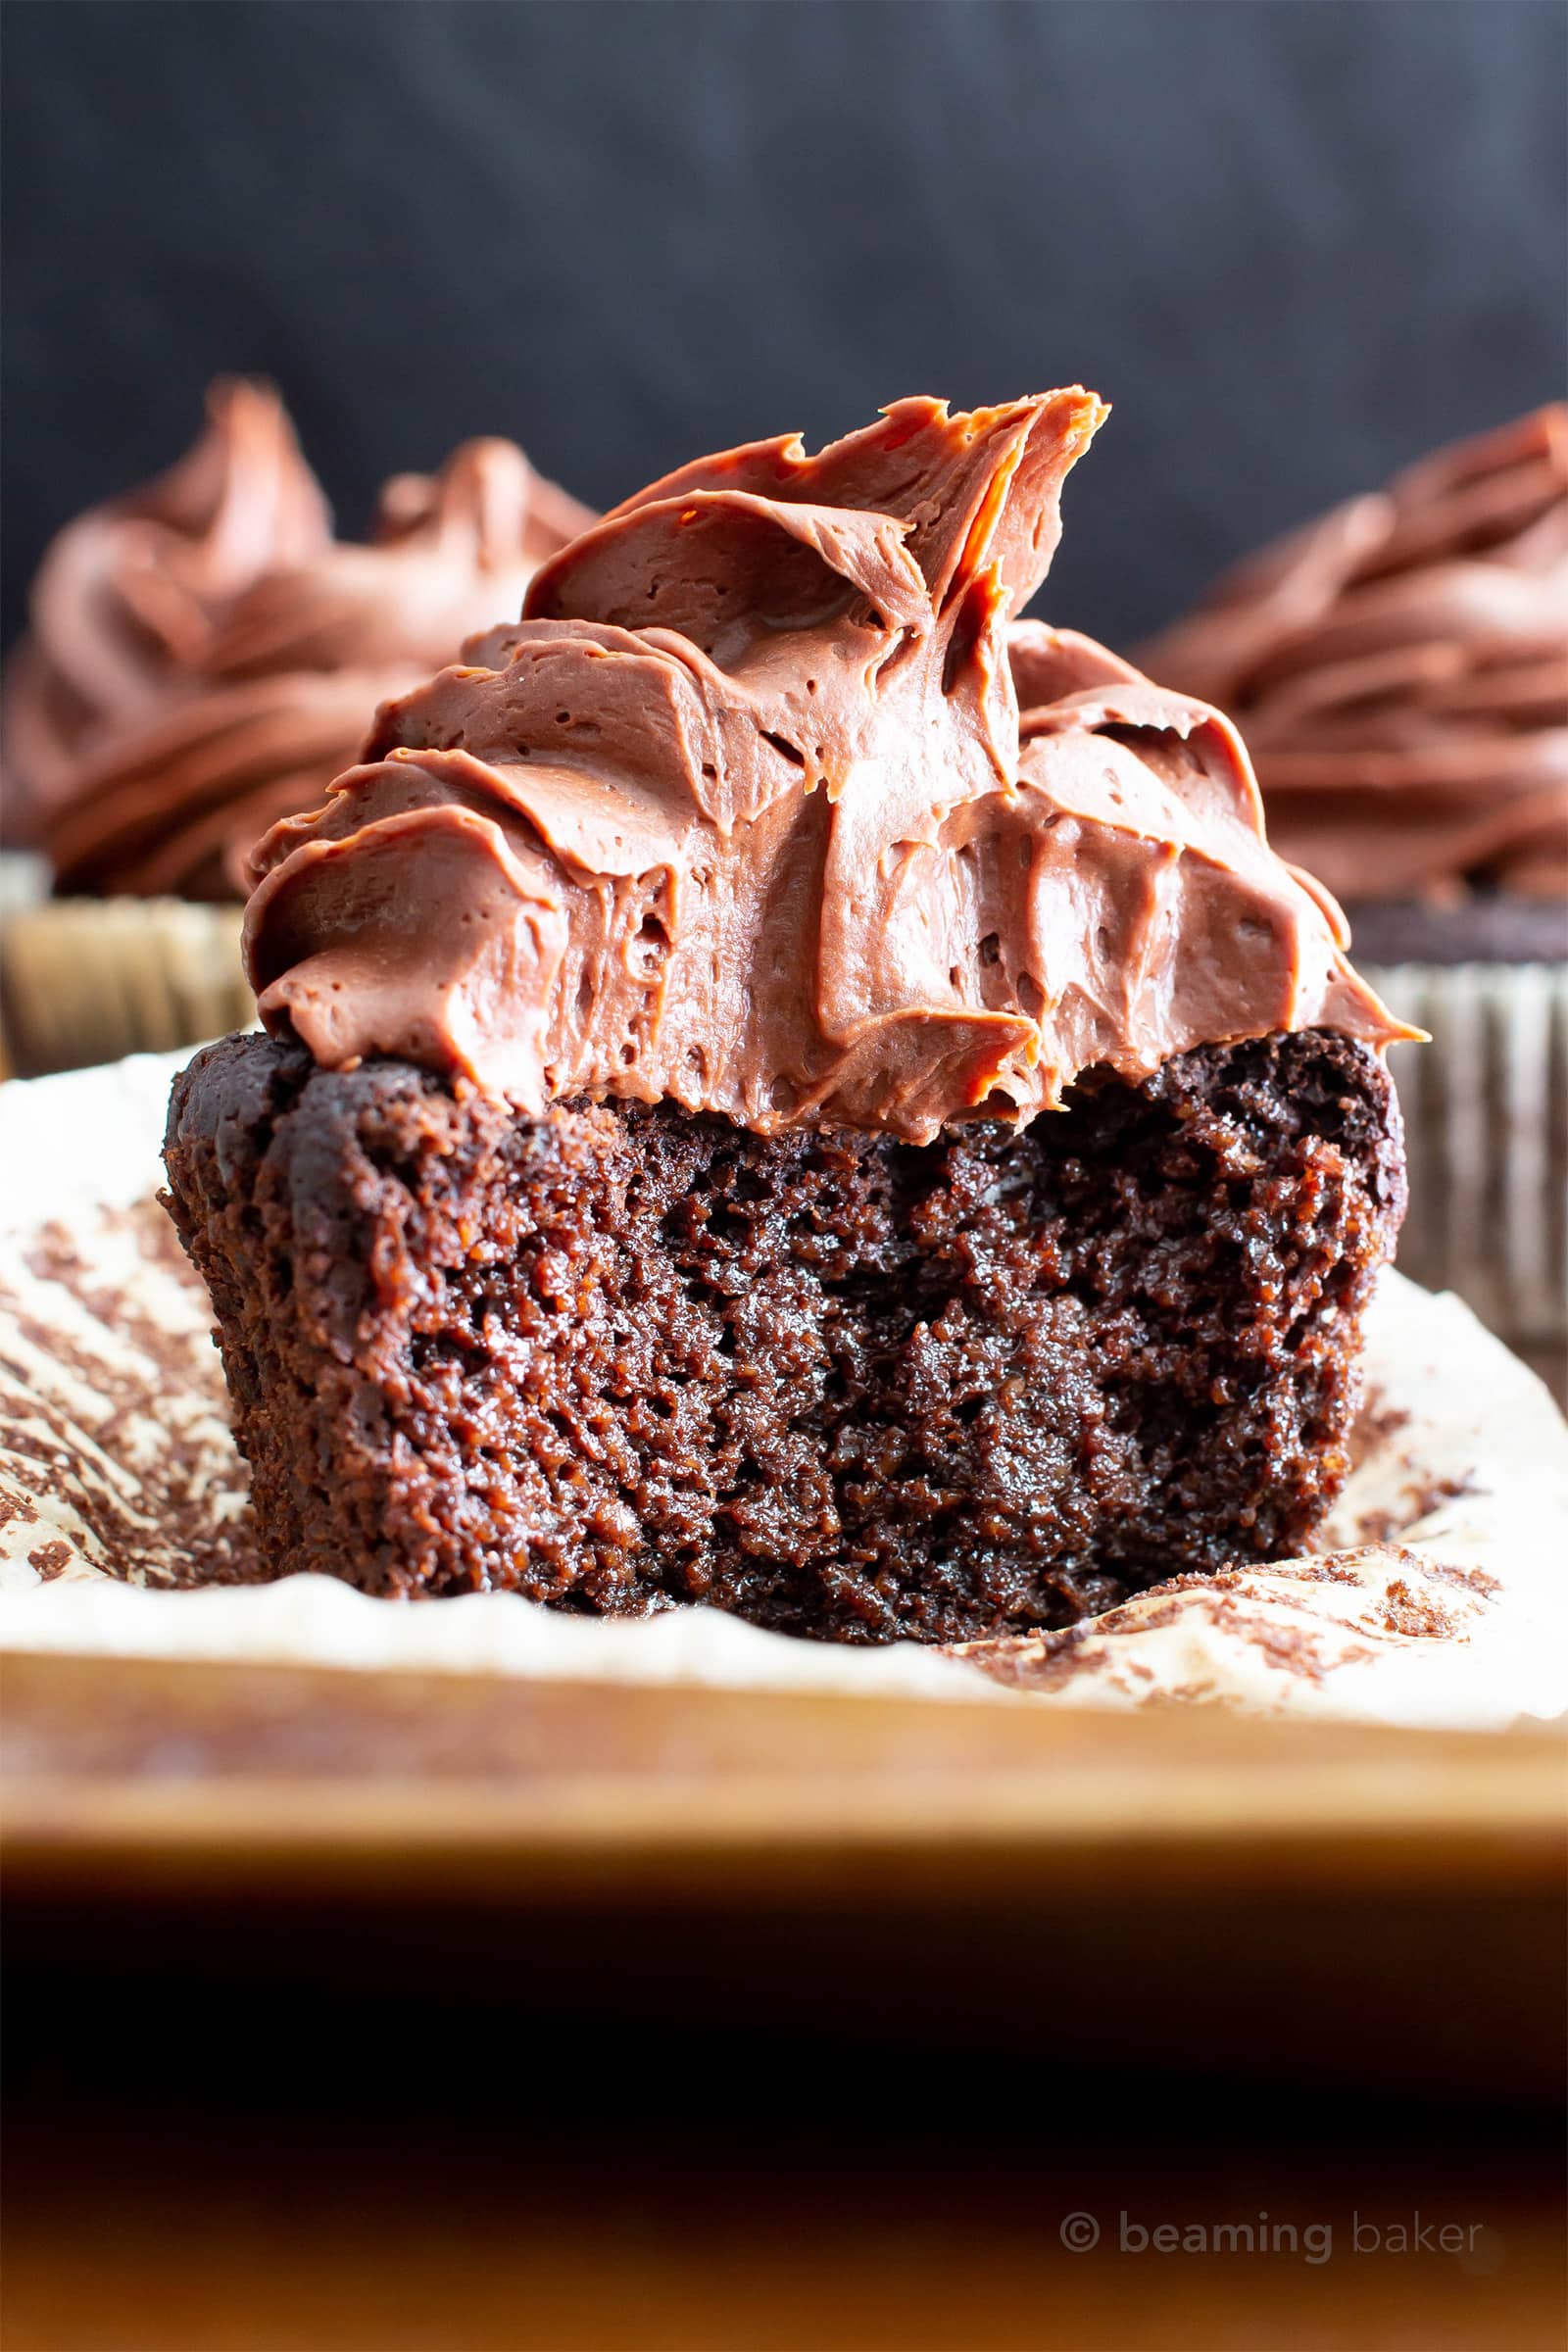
{"x": 745, "y": 814}
{"x": 205, "y": 655}
{"x": 1400, "y": 670}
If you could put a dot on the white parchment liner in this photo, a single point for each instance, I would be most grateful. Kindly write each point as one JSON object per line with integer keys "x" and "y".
{"x": 1439, "y": 1595}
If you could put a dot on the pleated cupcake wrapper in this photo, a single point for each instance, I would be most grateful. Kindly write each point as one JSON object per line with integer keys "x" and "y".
{"x": 1486, "y": 1121}
{"x": 1486, "y": 1103}
{"x": 89, "y": 980}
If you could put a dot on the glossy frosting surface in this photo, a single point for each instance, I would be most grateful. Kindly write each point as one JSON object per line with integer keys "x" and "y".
{"x": 746, "y": 813}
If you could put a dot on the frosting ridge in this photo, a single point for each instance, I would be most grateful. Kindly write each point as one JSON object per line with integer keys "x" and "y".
{"x": 744, "y": 812}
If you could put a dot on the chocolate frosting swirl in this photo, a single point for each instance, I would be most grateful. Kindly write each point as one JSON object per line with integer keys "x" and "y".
{"x": 745, "y": 814}
{"x": 205, "y": 656}
{"x": 1401, "y": 669}
{"x": 127, "y": 594}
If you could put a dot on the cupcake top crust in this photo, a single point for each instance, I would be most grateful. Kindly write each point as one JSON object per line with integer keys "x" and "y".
{"x": 768, "y": 806}
{"x": 1400, "y": 669}
{"x": 204, "y": 655}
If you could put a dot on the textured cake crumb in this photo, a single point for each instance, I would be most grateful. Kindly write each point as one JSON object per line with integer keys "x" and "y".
{"x": 621, "y": 1357}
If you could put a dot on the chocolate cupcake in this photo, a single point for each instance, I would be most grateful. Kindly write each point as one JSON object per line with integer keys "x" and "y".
{"x": 204, "y": 658}
{"x": 1400, "y": 670}
{"x": 752, "y": 1115}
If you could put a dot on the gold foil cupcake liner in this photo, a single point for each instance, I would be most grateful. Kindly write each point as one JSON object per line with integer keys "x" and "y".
{"x": 1486, "y": 1122}
{"x": 89, "y": 980}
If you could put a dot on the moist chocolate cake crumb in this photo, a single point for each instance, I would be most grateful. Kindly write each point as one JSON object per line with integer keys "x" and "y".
{"x": 620, "y": 1358}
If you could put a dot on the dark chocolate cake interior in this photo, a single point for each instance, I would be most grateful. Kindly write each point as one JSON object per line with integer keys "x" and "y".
{"x": 618, "y": 1357}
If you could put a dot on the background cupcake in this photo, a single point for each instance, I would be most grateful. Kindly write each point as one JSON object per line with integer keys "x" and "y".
{"x": 1400, "y": 670}
{"x": 204, "y": 657}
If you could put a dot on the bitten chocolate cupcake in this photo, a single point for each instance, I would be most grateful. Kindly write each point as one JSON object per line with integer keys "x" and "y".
{"x": 761, "y": 1108}
{"x": 1401, "y": 669}
{"x": 204, "y": 658}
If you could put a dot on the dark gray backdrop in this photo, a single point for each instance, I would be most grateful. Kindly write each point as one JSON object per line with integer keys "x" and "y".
{"x": 1294, "y": 241}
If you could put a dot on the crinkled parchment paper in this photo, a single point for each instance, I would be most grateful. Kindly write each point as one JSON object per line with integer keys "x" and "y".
{"x": 1439, "y": 1594}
